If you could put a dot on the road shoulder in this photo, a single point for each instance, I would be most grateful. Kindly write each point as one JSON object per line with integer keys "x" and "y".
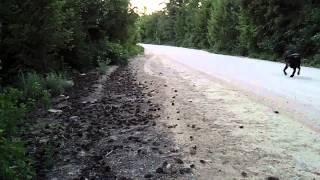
{"x": 223, "y": 132}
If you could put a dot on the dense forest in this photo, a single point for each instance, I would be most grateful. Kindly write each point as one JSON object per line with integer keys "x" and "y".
{"x": 46, "y": 35}
{"x": 256, "y": 28}
{"x": 41, "y": 44}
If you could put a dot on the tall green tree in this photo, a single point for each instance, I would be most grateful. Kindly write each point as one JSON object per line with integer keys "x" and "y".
{"x": 223, "y": 34}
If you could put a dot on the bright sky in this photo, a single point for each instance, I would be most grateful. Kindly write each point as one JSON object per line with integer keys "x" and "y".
{"x": 151, "y": 5}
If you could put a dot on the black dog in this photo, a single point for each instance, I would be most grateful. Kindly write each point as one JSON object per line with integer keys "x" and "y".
{"x": 293, "y": 61}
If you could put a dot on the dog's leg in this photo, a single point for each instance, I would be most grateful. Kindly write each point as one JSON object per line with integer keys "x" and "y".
{"x": 294, "y": 71}
{"x": 285, "y": 68}
{"x": 299, "y": 70}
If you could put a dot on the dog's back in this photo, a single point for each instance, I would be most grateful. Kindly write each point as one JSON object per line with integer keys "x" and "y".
{"x": 293, "y": 60}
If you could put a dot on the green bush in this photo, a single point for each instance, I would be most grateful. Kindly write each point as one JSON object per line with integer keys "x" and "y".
{"x": 34, "y": 89}
{"x": 57, "y": 83}
{"x": 314, "y": 61}
{"x": 11, "y": 110}
{"x": 33, "y": 85}
{"x": 117, "y": 53}
{"x": 135, "y": 50}
{"x": 87, "y": 58}
{"x": 65, "y": 33}
{"x": 14, "y": 162}
{"x": 48, "y": 155}
{"x": 101, "y": 53}
{"x": 103, "y": 66}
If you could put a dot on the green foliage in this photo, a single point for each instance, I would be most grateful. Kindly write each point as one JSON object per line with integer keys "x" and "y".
{"x": 246, "y": 36}
{"x": 11, "y": 110}
{"x": 256, "y": 28}
{"x": 223, "y": 36}
{"x": 103, "y": 66}
{"x": 150, "y": 34}
{"x": 48, "y": 35}
{"x": 134, "y": 50}
{"x": 39, "y": 37}
{"x": 33, "y": 85}
{"x": 57, "y": 83}
{"x": 105, "y": 52}
{"x": 314, "y": 61}
{"x": 48, "y": 155}
{"x": 117, "y": 53}
{"x": 45, "y": 99}
{"x": 14, "y": 162}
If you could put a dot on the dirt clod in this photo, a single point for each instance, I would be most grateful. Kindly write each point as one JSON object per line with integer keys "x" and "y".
{"x": 148, "y": 176}
{"x": 193, "y": 150}
{"x": 172, "y": 126}
{"x": 272, "y": 178}
{"x": 159, "y": 170}
{"x": 178, "y": 160}
{"x": 185, "y": 171}
{"x": 203, "y": 161}
{"x": 244, "y": 174}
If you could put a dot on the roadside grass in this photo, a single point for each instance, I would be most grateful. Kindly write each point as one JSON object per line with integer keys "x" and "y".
{"x": 32, "y": 85}
{"x": 36, "y": 89}
{"x": 57, "y": 83}
{"x": 15, "y": 164}
{"x": 103, "y": 66}
{"x": 313, "y": 62}
{"x": 14, "y": 105}
{"x": 48, "y": 155}
{"x": 120, "y": 55}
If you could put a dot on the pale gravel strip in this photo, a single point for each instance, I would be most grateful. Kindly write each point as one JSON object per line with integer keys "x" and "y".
{"x": 269, "y": 144}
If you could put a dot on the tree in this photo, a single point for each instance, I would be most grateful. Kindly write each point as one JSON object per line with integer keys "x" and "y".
{"x": 223, "y": 36}
{"x": 257, "y": 28}
{"x": 46, "y": 35}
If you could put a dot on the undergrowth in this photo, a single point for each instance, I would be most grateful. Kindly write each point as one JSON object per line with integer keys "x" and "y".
{"x": 15, "y": 164}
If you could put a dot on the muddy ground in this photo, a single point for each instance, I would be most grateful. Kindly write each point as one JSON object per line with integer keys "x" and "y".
{"x": 106, "y": 129}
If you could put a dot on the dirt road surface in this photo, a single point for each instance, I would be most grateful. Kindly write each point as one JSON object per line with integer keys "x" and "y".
{"x": 224, "y": 130}
{"x": 159, "y": 118}
{"x": 262, "y": 78}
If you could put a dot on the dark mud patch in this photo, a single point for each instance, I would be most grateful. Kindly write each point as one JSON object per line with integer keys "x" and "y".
{"x": 114, "y": 137}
